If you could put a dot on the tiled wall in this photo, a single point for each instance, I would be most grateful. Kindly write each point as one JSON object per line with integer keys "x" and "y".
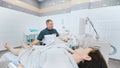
{"x": 106, "y": 21}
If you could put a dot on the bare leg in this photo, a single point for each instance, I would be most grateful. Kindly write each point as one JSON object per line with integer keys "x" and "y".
{"x": 14, "y": 51}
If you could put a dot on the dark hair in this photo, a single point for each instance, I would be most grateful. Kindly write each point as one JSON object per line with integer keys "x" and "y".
{"x": 48, "y": 20}
{"x": 97, "y": 61}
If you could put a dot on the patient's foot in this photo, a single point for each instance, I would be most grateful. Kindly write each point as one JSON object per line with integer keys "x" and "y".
{"x": 8, "y": 46}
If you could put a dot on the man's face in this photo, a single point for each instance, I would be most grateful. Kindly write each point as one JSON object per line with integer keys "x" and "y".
{"x": 50, "y": 25}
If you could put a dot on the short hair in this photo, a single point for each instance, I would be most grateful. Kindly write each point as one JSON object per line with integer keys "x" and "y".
{"x": 48, "y": 20}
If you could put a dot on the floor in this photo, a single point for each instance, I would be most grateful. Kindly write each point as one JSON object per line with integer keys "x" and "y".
{"x": 3, "y": 64}
{"x": 112, "y": 63}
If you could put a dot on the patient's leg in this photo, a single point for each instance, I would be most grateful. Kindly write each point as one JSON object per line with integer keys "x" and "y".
{"x": 14, "y": 51}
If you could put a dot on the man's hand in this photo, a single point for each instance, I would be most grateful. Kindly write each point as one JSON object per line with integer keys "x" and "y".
{"x": 35, "y": 42}
{"x": 31, "y": 45}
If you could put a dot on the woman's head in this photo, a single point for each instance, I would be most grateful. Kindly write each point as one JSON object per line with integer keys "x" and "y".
{"x": 90, "y": 58}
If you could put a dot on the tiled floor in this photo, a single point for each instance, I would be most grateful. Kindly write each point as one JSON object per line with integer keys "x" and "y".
{"x": 112, "y": 63}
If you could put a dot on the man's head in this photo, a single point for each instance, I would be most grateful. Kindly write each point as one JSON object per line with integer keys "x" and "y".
{"x": 49, "y": 24}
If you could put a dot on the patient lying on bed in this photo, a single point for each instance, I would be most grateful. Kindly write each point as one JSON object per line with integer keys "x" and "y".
{"x": 58, "y": 56}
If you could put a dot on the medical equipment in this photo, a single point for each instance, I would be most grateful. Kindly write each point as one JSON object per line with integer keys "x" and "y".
{"x": 93, "y": 40}
{"x": 31, "y": 35}
{"x": 113, "y": 50}
{"x": 64, "y": 28}
{"x": 72, "y": 42}
{"x": 88, "y": 20}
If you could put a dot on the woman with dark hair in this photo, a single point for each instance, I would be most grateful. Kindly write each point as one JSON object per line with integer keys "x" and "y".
{"x": 97, "y": 60}
{"x": 58, "y": 57}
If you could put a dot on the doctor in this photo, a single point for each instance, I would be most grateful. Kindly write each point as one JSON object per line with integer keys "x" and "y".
{"x": 47, "y": 35}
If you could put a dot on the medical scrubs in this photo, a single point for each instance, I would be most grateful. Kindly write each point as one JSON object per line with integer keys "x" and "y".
{"x": 46, "y": 35}
{"x": 47, "y": 32}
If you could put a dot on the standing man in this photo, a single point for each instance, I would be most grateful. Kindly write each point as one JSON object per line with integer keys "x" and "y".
{"x": 46, "y": 34}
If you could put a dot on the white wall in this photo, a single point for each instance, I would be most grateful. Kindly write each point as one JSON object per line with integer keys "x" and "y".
{"x": 106, "y": 21}
{"x": 13, "y": 24}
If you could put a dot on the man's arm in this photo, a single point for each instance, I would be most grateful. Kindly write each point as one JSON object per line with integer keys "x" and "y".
{"x": 35, "y": 42}
{"x": 39, "y": 38}
{"x": 57, "y": 34}
{"x": 62, "y": 37}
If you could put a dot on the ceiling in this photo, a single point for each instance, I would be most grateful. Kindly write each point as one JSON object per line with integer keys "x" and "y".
{"x": 52, "y": 7}
{"x": 43, "y": 6}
